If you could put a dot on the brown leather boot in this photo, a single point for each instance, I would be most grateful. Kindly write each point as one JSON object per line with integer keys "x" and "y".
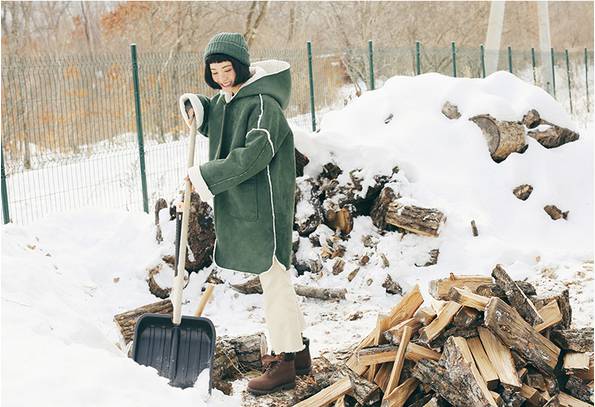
{"x": 279, "y": 374}
{"x": 303, "y": 362}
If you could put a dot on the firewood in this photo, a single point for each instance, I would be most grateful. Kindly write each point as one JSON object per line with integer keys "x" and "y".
{"x": 550, "y": 314}
{"x": 439, "y": 289}
{"x": 554, "y": 401}
{"x": 576, "y": 340}
{"x": 381, "y": 378}
{"x": 309, "y": 212}
{"x": 494, "y": 290}
{"x": 474, "y": 228}
{"x": 387, "y": 353}
{"x": 399, "y": 395}
{"x": 381, "y": 326}
{"x": 421, "y": 221}
{"x": 503, "y": 137}
{"x": 517, "y": 334}
{"x": 497, "y": 398}
{"x": 531, "y": 119}
{"x": 555, "y": 212}
{"x": 563, "y": 299}
{"x": 425, "y": 315}
{"x": 446, "y": 315}
{"x": 536, "y": 380}
{"x": 391, "y": 286}
{"x": 500, "y": 357}
{"x": 533, "y": 397}
{"x": 484, "y": 365}
{"x": 577, "y": 362}
{"x": 580, "y": 389}
{"x": 467, "y": 317}
{"x": 566, "y": 400}
{"x": 450, "y": 110}
{"x": 554, "y": 136}
{"x": 395, "y": 374}
{"x": 328, "y": 394}
{"x": 394, "y": 334}
{"x": 126, "y": 321}
{"x": 465, "y": 297}
{"x": 363, "y": 391}
{"x": 338, "y": 218}
{"x": 154, "y": 287}
{"x": 512, "y": 396}
{"x": 515, "y": 295}
{"x": 523, "y": 191}
{"x": 252, "y": 286}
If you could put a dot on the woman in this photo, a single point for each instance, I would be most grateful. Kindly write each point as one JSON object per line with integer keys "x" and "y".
{"x": 250, "y": 182}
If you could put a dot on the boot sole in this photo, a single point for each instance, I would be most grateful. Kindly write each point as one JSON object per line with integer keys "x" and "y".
{"x": 286, "y": 386}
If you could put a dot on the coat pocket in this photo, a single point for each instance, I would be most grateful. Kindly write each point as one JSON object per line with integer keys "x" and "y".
{"x": 242, "y": 201}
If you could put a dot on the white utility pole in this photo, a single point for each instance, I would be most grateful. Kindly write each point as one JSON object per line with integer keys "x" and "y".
{"x": 545, "y": 45}
{"x": 494, "y": 35}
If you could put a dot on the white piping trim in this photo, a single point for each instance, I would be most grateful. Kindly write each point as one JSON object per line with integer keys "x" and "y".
{"x": 199, "y": 111}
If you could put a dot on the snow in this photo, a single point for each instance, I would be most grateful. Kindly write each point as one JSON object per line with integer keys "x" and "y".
{"x": 64, "y": 277}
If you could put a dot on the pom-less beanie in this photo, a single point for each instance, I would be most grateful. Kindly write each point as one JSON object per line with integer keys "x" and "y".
{"x": 232, "y": 44}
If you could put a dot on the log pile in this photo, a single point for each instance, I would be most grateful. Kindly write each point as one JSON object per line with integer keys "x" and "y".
{"x": 482, "y": 341}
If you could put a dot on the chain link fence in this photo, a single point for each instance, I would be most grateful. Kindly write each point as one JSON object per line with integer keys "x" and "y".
{"x": 69, "y": 133}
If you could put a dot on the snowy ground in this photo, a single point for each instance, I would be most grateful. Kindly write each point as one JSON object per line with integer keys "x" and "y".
{"x": 66, "y": 276}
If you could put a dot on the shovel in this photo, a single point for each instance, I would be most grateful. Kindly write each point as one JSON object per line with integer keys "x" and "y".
{"x": 179, "y": 347}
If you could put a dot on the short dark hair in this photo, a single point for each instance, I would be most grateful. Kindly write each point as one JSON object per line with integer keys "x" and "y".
{"x": 242, "y": 70}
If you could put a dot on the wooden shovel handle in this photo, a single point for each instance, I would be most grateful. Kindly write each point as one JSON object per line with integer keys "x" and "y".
{"x": 204, "y": 299}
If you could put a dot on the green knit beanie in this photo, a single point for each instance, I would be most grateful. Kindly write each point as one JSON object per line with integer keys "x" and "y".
{"x": 232, "y": 44}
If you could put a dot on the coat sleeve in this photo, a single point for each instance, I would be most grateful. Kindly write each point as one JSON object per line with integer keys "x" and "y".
{"x": 266, "y": 133}
{"x": 200, "y": 105}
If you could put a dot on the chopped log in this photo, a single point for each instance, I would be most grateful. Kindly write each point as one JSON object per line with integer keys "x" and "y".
{"x": 394, "y": 334}
{"x": 338, "y": 218}
{"x": 392, "y": 287}
{"x": 566, "y": 400}
{"x": 579, "y": 389}
{"x": 364, "y": 391}
{"x": 533, "y": 397}
{"x": 463, "y": 332}
{"x": 484, "y": 365}
{"x": 516, "y": 296}
{"x": 518, "y": 335}
{"x": 503, "y": 137}
{"x": 433, "y": 258}
{"x": 577, "y": 363}
{"x": 554, "y": 136}
{"x": 252, "y": 286}
{"x": 468, "y": 299}
{"x": 395, "y": 373}
{"x": 381, "y": 378}
{"x": 500, "y": 357}
{"x": 126, "y": 321}
{"x": 339, "y": 266}
{"x": 380, "y": 207}
{"x": 576, "y": 340}
{"x": 555, "y": 212}
{"x": 428, "y": 333}
{"x": 327, "y": 395}
{"x": 523, "y": 191}
{"x": 421, "y": 221}
{"x": 512, "y": 396}
{"x": 439, "y": 289}
{"x": 381, "y": 325}
{"x": 554, "y": 401}
{"x": 300, "y": 162}
{"x": 387, "y": 353}
{"x": 536, "y": 380}
{"x": 550, "y": 314}
{"x": 497, "y": 398}
{"x": 563, "y": 299}
{"x": 494, "y": 290}
{"x": 425, "y": 315}
{"x": 450, "y": 110}
{"x": 531, "y": 119}
{"x": 467, "y": 318}
{"x": 399, "y": 395}
{"x": 474, "y": 228}
{"x": 308, "y": 210}
{"x": 419, "y": 398}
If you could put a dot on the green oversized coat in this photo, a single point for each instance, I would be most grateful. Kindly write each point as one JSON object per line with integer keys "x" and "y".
{"x": 250, "y": 175}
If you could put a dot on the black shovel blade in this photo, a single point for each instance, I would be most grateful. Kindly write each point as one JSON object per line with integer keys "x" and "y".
{"x": 178, "y": 352}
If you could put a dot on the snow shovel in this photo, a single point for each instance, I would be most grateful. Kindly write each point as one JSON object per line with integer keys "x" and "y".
{"x": 179, "y": 347}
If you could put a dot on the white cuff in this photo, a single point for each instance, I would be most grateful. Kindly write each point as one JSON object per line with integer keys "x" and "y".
{"x": 199, "y": 111}
{"x": 200, "y": 184}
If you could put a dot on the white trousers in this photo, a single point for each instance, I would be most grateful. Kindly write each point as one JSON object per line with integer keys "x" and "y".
{"x": 283, "y": 316}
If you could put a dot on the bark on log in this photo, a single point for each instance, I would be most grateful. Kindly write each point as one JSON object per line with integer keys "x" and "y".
{"x": 554, "y": 136}
{"x": 494, "y": 290}
{"x": 439, "y": 289}
{"x": 563, "y": 299}
{"x": 253, "y": 286}
{"x": 579, "y": 389}
{"x": 518, "y": 335}
{"x": 126, "y": 321}
{"x": 576, "y": 340}
{"x": 421, "y": 221}
{"x": 201, "y": 234}
{"x": 555, "y": 212}
{"x": 503, "y": 137}
{"x": 300, "y": 162}
{"x": 308, "y": 206}
{"x": 450, "y": 110}
{"x": 523, "y": 191}
{"x": 381, "y": 205}
{"x": 154, "y": 287}
{"x": 515, "y": 295}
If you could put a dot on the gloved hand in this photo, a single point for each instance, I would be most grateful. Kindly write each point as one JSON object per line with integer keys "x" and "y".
{"x": 191, "y": 108}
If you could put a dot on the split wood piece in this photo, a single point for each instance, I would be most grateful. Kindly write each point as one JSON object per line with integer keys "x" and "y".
{"x": 387, "y": 353}
{"x": 437, "y": 305}
{"x": 577, "y": 340}
{"x": 500, "y": 357}
{"x": 497, "y": 398}
{"x": 421, "y": 221}
{"x": 554, "y": 401}
{"x": 465, "y": 297}
{"x": 532, "y": 396}
{"x": 328, "y": 394}
{"x": 484, "y": 365}
{"x": 494, "y": 290}
{"x": 253, "y": 286}
{"x": 126, "y": 321}
{"x": 580, "y": 389}
{"x": 515, "y": 295}
{"x": 442, "y": 320}
{"x": 440, "y": 289}
{"x": 517, "y": 334}
{"x": 381, "y": 326}
{"x": 536, "y": 380}
{"x": 421, "y": 400}
{"x": 555, "y": 212}
{"x": 432, "y": 403}
{"x": 550, "y": 314}
{"x": 404, "y": 309}
{"x": 577, "y": 363}
{"x": 467, "y": 317}
{"x": 523, "y": 191}
{"x": 425, "y": 315}
{"x": 364, "y": 391}
{"x": 511, "y": 396}
{"x": 395, "y": 374}
{"x": 566, "y": 400}
{"x": 393, "y": 335}
{"x": 554, "y": 136}
{"x": 381, "y": 378}
{"x": 399, "y": 395}
{"x": 502, "y": 137}
{"x": 338, "y": 219}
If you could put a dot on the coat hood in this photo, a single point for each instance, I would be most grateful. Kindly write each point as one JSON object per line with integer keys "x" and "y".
{"x": 271, "y": 77}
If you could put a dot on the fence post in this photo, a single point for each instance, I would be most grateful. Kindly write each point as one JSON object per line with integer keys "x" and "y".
{"x": 371, "y": 63}
{"x": 5, "y": 211}
{"x": 533, "y": 63}
{"x": 483, "y": 61}
{"x": 553, "y": 73}
{"x": 454, "y": 59}
{"x": 587, "y": 78}
{"x": 417, "y": 59}
{"x": 509, "y": 59}
{"x": 139, "y": 127}
{"x": 568, "y": 75}
{"x": 312, "y": 106}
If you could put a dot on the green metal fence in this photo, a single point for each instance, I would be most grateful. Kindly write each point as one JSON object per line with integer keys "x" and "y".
{"x": 105, "y": 130}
